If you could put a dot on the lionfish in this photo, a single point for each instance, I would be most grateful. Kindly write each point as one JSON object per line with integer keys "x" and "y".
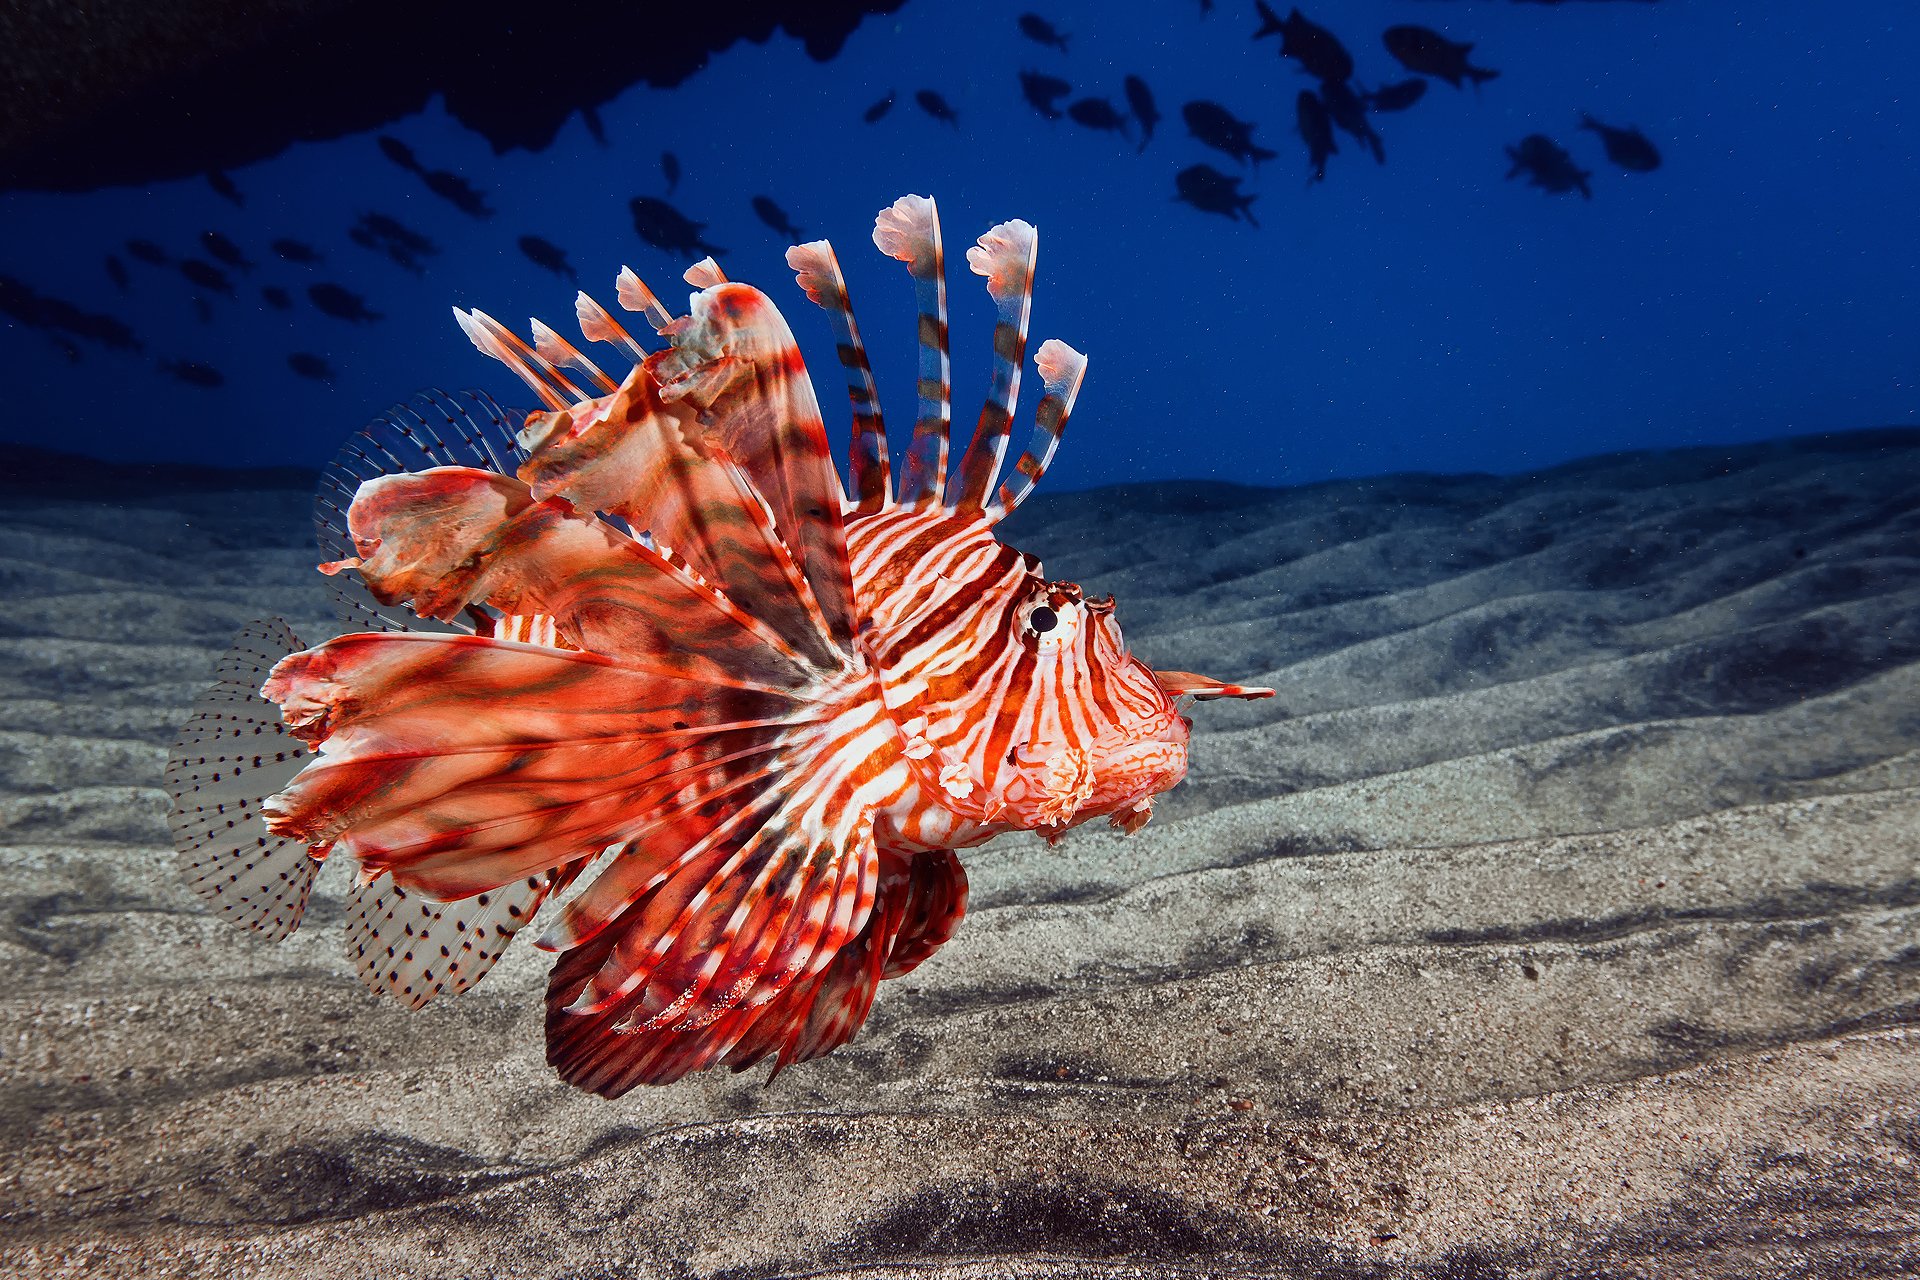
{"x": 655, "y": 637}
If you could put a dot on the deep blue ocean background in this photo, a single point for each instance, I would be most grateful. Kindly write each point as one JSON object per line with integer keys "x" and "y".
{"x": 1427, "y": 313}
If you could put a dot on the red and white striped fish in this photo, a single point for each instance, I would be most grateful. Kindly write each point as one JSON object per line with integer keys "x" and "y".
{"x": 767, "y": 718}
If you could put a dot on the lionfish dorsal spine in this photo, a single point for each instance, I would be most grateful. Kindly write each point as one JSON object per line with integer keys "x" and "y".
{"x": 492, "y": 338}
{"x": 909, "y": 230}
{"x": 1062, "y": 369}
{"x": 1005, "y": 257}
{"x": 557, "y": 350}
{"x": 817, "y": 270}
{"x": 598, "y": 325}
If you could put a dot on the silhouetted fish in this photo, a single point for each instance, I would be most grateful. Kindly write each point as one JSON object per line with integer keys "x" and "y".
{"x": 1211, "y": 191}
{"x": 544, "y": 253}
{"x": 1316, "y": 130}
{"x": 400, "y": 153}
{"x": 225, "y": 250}
{"x": 936, "y": 106}
{"x": 400, "y": 243}
{"x": 1043, "y": 92}
{"x": 1425, "y": 50}
{"x": 878, "y": 109}
{"x": 193, "y": 373}
{"x": 221, "y": 183}
{"x": 1038, "y": 29}
{"x": 117, "y": 271}
{"x": 38, "y": 311}
{"x": 1314, "y": 47}
{"x": 1098, "y": 113}
{"x": 670, "y": 170}
{"x": 1145, "y": 110}
{"x": 340, "y": 303}
{"x": 1628, "y": 148}
{"x": 665, "y": 227}
{"x": 1396, "y": 97}
{"x": 458, "y": 192}
{"x": 276, "y": 297}
{"x": 1547, "y": 166}
{"x": 206, "y": 275}
{"x": 296, "y": 251}
{"x": 1346, "y": 110}
{"x": 308, "y": 365}
{"x": 774, "y": 216}
{"x": 148, "y": 252}
{"x": 1218, "y": 128}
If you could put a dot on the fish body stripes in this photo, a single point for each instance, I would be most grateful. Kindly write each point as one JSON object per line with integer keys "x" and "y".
{"x": 652, "y": 658}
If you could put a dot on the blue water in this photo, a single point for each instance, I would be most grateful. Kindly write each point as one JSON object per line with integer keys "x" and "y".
{"x": 1424, "y": 314}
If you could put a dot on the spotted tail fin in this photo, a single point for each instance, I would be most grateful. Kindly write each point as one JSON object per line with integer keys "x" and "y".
{"x": 1005, "y": 256}
{"x": 909, "y": 230}
{"x": 1062, "y": 369}
{"x": 818, "y": 272}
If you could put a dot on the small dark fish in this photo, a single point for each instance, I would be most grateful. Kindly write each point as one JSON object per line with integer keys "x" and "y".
{"x": 596, "y": 127}
{"x": 399, "y": 152}
{"x": 1316, "y": 130}
{"x": 670, "y": 170}
{"x": 296, "y": 251}
{"x": 193, "y": 373}
{"x": 38, "y": 311}
{"x": 1347, "y": 111}
{"x": 1098, "y": 113}
{"x": 1396, "y": 97}
{"x": 225, "y": 250}
{"x": 276, "y": 297}
{"x": 1039, "y": 30}
{"x": 544, "y": 253}
{"x": 1043, "y": 92}
{"x": 1206, "y": 7}
{"x": 1317, "y": 50}
{"x": 936, "y": 106}
{"x": 1628, "y": 148}
{"x": 776, "y": 217}
{"x": 1216, "y": 127}
{"x": 341, "y": 303}
{"x": 206, "y": 275}
{"x": 1145, "y": 110}
{"x": 1547, "y": 166}
{"x": 117, "y": 271}
{"x": 308, "y": 365}
{"x": 221, "y": 183}
{"x": 458, "y": 192}
{"x": 1425, "y": 50}
{"x": 665, "y": 227}
{"x": 878, "y": 109}
{"x": 1211, "y": 191}
{"x": 392, "y": 231}
{"x": 148, "y": 252}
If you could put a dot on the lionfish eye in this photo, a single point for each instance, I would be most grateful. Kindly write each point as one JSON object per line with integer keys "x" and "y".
{"x": 1043, "y": 619}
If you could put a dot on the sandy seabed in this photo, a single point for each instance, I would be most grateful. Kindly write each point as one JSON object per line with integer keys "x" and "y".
{"x": 1561, "y": 917}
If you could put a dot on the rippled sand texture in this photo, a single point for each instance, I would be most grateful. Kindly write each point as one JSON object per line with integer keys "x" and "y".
{"x": 1561, "y": 916}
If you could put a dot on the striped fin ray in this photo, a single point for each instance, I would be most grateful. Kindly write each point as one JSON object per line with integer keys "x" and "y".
{"x": 735, "y": 363}
{"x": 635, "y": 296}
{"x": 232, "y": 754}
{"x": 704, "y": 274}
{"x": 492, "y": 338}
{"x": 461, "y": 765}
{"x": 909, "y": 230}
{"x": 433, "y": 429}
{"x": 1062, "y": 369}
{"x": 598, "y": 325}
{"x": 818, "y": 272}
{"x": 556, "y": 350}
{"x": 1005, "y": 256}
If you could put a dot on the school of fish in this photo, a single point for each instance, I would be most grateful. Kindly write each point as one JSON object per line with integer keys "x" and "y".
{"x": 655, "y": 657}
